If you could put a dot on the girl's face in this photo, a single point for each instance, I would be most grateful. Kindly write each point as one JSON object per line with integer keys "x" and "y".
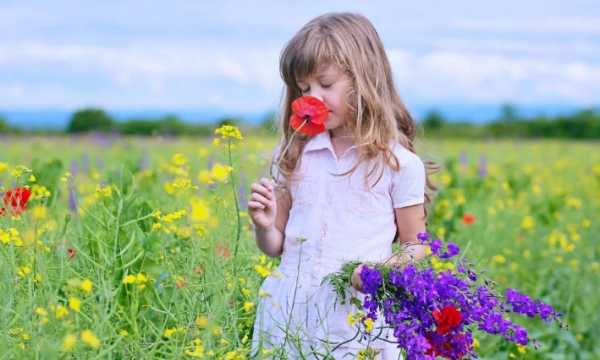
{"x": 330, "y": 86}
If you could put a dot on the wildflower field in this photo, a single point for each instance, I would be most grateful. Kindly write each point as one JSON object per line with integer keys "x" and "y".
{"x": 142, "y": 247}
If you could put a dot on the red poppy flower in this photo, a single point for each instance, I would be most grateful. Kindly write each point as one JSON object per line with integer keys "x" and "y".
{"x": 311, "y": 112}
{"x": 448, "y": 318}
{"x": 71, "y": 253}
{"x": 222, "y": 251}
{"x": 468, "y": 219}
{"x": 17, "y": 199}
{"x": 445, "y": 346}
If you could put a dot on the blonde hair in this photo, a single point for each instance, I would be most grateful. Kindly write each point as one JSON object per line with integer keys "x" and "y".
{"x": 350, "y": 43}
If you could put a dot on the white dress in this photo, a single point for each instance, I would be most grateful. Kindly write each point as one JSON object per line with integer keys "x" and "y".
{"x": 341, "y": 221}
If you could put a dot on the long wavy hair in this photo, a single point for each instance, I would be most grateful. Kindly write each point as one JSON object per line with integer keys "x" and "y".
{"x": 377, "y": 115}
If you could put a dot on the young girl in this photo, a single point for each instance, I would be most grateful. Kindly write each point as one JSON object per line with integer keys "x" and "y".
{"x": 341, "y": 195}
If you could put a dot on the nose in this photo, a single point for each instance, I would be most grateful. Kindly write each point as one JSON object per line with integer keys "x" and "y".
{"x": 315, "y": 94}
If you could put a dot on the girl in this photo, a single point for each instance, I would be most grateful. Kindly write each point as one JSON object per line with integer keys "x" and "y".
{"x": 341, "y": 195}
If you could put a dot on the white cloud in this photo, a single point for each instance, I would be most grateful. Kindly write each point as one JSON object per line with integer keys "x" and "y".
{"x": 471, "y": 77}
{"x": 562, "y": 25}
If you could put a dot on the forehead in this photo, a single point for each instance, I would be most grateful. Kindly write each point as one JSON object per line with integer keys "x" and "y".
{"x": 325, "y": 70}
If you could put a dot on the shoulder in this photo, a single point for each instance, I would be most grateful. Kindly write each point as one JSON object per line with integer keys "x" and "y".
{"x": 407, "y": 158}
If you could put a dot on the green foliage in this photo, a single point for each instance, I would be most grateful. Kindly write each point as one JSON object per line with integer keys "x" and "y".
{"x": 228, "y": 121}
{"x": 433, "y": 120}
{"x": 169, "y": 125}
{"x": 5, "y": 128}
{"x": 90, "y": 119}
{"x": 583, "y": 125}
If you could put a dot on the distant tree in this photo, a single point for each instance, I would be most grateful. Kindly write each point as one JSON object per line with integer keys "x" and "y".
{"x": 4, "y": 127}
{"x": 508, "y": 113}
{"x": 434, "y": 120}
{"x": 90, "y": 119}
{"x": 228, "y": 121}
{"x": 172, "y": 125}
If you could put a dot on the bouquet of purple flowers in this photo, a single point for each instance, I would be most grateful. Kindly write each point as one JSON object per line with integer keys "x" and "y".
{"x": 433, "y": 313}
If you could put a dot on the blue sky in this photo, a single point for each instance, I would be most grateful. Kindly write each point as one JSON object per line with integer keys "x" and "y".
{"x": 224, "y": 54}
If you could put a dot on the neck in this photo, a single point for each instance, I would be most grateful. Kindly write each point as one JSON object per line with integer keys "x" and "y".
{"x": 338, "y": 134}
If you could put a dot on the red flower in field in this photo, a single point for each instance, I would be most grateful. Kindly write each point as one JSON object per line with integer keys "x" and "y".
{"x": 468, "y": 219}
{"x": 447, "y": 318}
{"x": 16, "y": 200}
{"x": 445, "y": 346}
{"x": 222, "y": 251}
{"x": 310, "y": 113}
{"x": 71, "y": 253}
{"x": 199, "y": 270}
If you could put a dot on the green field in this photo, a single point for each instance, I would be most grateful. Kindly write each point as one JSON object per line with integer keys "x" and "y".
{"x": 118, "y": 255}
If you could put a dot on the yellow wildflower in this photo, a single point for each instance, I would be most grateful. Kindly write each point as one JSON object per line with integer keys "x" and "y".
{"x": 88, "y": 337}
{"x": 75, "y": 304}
{"x": 68, "y": 342}
{"x": 228, "y": 131}
{"x": 248, "y": 306}
{"x": 87, "y": 285}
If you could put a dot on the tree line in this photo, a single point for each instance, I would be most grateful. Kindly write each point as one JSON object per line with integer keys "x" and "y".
{"x": 584, "y": 124}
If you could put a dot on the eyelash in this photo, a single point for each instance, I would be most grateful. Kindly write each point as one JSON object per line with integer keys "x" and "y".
{"x": 323, "y": 86}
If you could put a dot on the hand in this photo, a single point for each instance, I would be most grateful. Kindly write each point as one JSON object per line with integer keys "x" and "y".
{"x": 262, "y": 205}
{"x": 355, "y": 279}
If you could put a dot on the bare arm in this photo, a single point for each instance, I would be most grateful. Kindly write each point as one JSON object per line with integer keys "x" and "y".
{"x": 410, "y": 221}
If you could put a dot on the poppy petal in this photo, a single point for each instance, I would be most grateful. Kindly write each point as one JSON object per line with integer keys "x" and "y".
{"x": 308, "y": 129}
{"x": 315, "y": 109}
{"x": 312, "y": 129}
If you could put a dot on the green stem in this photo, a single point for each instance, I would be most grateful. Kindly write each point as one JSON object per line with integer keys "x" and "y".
{"x": 237, "y": 235}
{"x": 289, "y": 143}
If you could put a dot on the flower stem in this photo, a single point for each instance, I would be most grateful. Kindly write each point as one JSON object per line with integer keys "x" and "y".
{"x": 289, "y": 143}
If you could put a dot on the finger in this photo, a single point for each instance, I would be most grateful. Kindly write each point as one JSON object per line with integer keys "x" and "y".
{"x": 255, "y": 205}
{"x": 261, "y": 189}
{"x": 267, "y": 183}
{"x": 261, "y": 199}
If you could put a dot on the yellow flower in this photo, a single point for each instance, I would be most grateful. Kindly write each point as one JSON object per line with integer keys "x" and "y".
{"x": 202, "y": 321}
{"x": 24, "y": 270}
{"x": 216, "y": 330}
{"x": 129, "y": 279}
{"x": 68, "y": 342}
{"x": 248, "y": 306}
{"x": 88, "y": 337}
{"x": 528, "y": 223}
{"x": 369, "y": 325}
{"x": 87, "y": 285}
{"x": 228, "y": 131}
{"x": 179, "y": 159}
{"x": 351, "y": 319}
{"x": 220, "y": 172}
{"x": 198, "y": 351}
{"x": 61, "y": 311}
{"x": 41, "y": 311}
{"x": 262, "y": 271}
{"x": 31, "y": 178}
{"x": 142, "y": 278}
{"x": 170, "y": 332}
{"x": 123, "y": 332}
{"x": 75, "y": 304}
